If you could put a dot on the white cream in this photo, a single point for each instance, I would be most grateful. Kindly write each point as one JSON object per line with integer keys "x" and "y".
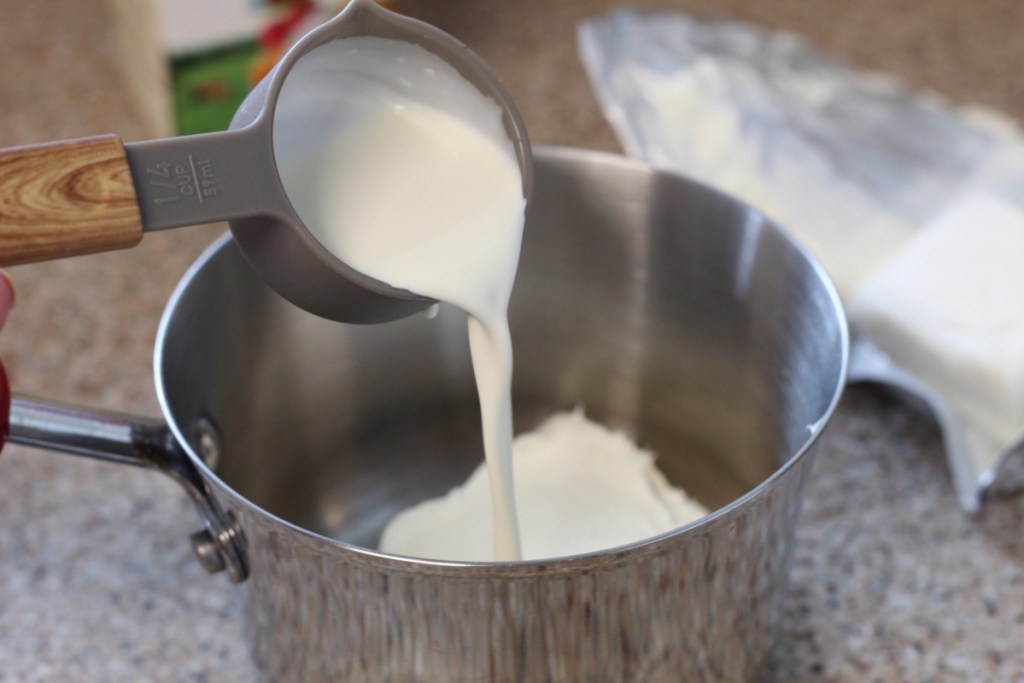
{"x": 580, "y": 488}
{"x": 403, "y": 170}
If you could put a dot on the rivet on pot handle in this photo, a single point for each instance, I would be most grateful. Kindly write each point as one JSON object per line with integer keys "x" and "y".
{"x": 143, "y": 442}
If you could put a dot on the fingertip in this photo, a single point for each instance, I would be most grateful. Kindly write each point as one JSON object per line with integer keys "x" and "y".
{"x": 7, "y": 296}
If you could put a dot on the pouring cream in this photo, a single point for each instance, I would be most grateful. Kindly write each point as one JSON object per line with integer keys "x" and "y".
{"x": 403, "y": 170}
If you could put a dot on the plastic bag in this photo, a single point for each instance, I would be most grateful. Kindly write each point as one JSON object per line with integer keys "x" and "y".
{"x": 850, "y": 163}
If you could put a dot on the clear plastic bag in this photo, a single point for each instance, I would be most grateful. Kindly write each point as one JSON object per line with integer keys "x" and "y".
{"x": 849, "y": 162}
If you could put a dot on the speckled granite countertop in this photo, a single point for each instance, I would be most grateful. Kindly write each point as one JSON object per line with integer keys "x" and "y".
{"x": 891, "y": 582}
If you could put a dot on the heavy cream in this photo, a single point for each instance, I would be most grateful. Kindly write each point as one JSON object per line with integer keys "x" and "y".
{"x": 580, "y": 487}
{"x": 404, "y": 171}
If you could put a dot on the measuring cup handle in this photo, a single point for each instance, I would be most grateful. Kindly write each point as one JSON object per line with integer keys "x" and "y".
{"x": 66, "y": 199}
{"x": 206, "y": 178}
{"x": 139, "y": 441}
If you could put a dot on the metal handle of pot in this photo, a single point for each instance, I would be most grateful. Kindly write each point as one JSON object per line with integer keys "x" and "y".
{"x": 142, "y": 442}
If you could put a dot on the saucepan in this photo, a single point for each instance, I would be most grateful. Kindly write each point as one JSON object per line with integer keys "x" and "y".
{"x": 662, "y": 307}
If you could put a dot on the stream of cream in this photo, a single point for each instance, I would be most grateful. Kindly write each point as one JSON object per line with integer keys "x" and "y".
{"x": 402, "y": 169}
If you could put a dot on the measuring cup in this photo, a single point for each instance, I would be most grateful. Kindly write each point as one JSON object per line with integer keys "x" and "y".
{"x": 96, "y": 194}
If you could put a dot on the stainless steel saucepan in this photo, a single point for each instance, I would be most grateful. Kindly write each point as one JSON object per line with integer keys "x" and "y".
{"x": 665, "y": 308}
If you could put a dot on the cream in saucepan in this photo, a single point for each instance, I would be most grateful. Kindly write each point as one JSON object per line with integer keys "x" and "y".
{"x": 404, "y": 170}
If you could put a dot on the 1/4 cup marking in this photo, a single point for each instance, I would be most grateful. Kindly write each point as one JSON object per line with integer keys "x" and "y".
{"x": 194, "y": 179}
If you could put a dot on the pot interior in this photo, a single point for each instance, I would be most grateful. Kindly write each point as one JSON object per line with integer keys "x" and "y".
{"x": 663, "y": 308}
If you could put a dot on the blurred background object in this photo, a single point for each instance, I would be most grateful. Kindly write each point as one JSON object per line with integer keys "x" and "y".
{"x": 215, "y": 61}
{"x": 67, "y": 65}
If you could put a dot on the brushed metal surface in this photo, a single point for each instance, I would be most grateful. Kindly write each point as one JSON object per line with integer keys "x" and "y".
{"x": 664, "y": 308}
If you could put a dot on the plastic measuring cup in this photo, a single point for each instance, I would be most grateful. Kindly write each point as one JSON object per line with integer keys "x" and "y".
{"x": 96, "y": 194}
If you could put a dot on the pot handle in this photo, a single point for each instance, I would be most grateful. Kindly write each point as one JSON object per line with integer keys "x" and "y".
{"x": 143, "y": 442}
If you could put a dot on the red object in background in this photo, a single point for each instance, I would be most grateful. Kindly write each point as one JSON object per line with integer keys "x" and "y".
{"x": 274, "y": 36}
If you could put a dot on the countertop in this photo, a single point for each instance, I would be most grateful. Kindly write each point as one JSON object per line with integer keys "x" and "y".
{"x": 890, "y": 581}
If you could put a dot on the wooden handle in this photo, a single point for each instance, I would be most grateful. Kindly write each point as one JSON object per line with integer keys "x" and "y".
{"x": 66, "y": 199}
